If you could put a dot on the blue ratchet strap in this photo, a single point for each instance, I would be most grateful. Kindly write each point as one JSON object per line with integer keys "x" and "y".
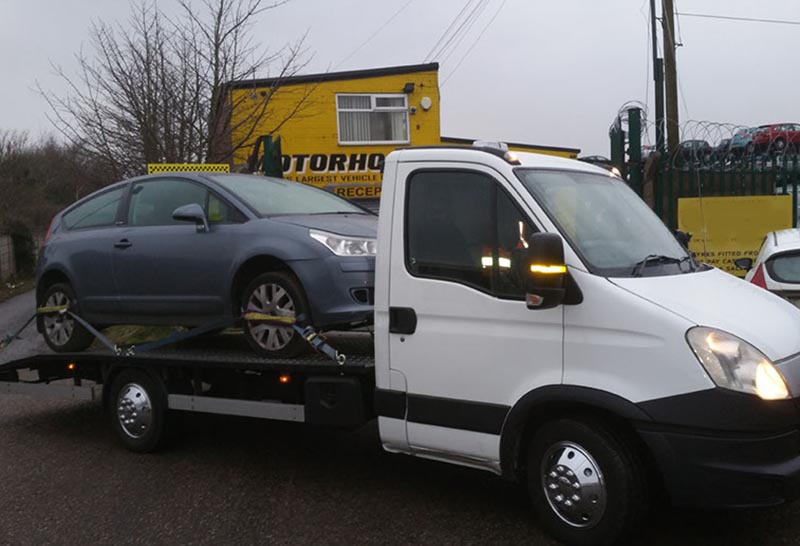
{"x": 180, "y": 336}
{"x": 6, "y": 341}
{"x": 318, "y": 342}
{"x": 116, "y": 349}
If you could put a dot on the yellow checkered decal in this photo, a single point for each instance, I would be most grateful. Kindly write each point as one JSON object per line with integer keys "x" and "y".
{"x": 155, "y": 168}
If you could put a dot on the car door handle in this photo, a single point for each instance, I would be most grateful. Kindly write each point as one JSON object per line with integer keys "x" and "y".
{"x": 402, "y": 320}
{"x": 122, "y": 243}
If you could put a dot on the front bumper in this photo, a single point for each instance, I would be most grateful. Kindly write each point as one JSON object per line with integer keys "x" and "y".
{"x": 727, "y": 471}
{"x": 340, "y": 290}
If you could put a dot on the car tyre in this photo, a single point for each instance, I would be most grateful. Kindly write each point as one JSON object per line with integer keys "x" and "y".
{"x": 137, "y": 407}
{"x": 277, "y": 294}
{"x": 587, "y": 482}
{"x": 62, "y": 333}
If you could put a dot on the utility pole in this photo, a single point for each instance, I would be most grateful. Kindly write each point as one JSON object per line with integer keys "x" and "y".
{"x": 658, "y": 78}
{"x": 670, "y": 74}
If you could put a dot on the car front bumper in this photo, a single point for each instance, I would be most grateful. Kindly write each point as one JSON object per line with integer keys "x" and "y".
{"x": 340, "y": 290}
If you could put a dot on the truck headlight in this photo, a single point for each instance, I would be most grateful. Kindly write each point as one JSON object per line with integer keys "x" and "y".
{"x": 345, "y": 246}
{"x": 734, "y": 364}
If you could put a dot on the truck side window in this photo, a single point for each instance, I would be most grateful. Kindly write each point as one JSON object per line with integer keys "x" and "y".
{"x": 462, "y": 227}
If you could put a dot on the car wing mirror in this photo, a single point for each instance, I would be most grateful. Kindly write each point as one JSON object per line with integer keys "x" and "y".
{"x": 544, "y": 272}
{"x": 744, "y": 263}
{"x": 683, "y": 237}
{"x": 192, "y": 213}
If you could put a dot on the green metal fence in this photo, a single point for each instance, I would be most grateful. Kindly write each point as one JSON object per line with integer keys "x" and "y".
{"x": 730, "y": 176}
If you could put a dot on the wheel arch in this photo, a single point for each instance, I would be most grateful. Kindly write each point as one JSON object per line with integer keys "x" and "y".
{"x": 49, "y": 278}
{"x": 251, "y": 268}
{"x": 547, "y": 403}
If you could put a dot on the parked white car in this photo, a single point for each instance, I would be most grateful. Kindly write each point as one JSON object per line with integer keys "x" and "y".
{"x": 777, "y": 266}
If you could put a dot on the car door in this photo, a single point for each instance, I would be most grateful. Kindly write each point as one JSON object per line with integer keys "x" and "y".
{"x": 84, "y": 248}
{"x": 461, "y": 335}
{"x": 171, "y": 271}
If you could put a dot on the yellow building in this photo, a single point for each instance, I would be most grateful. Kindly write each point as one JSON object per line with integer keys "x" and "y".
{"x": 336, "y": 128}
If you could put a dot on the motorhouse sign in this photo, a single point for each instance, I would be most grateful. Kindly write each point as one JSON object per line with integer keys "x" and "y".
{"x": 353, "y": 175}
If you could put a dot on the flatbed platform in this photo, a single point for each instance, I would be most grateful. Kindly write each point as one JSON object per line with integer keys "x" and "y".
{"x": 228, "y": 351}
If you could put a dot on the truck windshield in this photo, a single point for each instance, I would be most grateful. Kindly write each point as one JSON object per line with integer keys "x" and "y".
{"x": 607, "y": 224}
{"x": 272, "y": 196}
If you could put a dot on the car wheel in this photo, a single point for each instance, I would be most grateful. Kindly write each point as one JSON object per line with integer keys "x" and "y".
{"x": 780, "y": 146}
{"x": 274, "y": 294}
{"x": 587, "y": 482}
{"x": 137, "y": 404}
{"x": 61, "y": 332}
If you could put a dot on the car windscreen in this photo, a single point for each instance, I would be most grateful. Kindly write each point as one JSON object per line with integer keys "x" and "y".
{"x": 785, "y": 268}
{"x": 272, "y": 196}
{"x": 613, "y": 231}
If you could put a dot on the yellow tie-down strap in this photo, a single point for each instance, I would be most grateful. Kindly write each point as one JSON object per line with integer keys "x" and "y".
{"x": 155, "y": 168}
{"x": 51, "y": 310}
{"x": 273, "y": 319}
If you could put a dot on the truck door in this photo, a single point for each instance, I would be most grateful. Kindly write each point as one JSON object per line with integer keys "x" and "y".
{"x": 460, "y": 332}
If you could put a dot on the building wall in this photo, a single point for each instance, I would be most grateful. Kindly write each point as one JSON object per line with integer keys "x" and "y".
{"x": 7, "y": 264}
{"x": 310, "y": 138}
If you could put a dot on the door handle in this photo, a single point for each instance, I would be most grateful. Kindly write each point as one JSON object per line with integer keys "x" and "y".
{"x": 402, "y": 320}
{"x": 122, "y": 243}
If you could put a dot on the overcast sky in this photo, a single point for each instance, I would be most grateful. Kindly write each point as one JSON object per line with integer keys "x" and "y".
{"x": 551, "y": 72}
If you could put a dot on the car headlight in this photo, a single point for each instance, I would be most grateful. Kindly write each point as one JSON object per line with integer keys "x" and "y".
{"x": 345, "y": 246}
{"x": 734, "y": 364}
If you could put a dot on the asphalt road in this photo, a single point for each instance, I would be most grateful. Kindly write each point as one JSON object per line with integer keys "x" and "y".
{"x": 13, "y": 314}
{"x": 64, "y": 479}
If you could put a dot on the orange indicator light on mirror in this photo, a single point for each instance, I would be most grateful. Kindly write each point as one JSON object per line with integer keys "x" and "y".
{"x": 285, "y": 378}
{"x": 71, "y": 366}
{"x": 548, "y": 269}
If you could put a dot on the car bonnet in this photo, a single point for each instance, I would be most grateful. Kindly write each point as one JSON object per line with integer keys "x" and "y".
{"x": 354, "y": 225}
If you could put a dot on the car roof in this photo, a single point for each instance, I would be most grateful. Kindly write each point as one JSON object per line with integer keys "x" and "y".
{"x": 786, "y": 238}
{"x": 481, "y": 155}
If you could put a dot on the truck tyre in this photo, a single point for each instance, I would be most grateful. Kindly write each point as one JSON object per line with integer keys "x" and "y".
{"x": 587, "y": 482}
{"x": 137, "y": 407}
{"x": 61, "y": 332}
{"x": 275, "y": 294}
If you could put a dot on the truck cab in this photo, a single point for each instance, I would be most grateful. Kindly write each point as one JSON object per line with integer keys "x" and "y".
{"x": 534, "y": 318}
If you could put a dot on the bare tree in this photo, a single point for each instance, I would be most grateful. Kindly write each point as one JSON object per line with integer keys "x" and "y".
{"x": 153, "y": 90}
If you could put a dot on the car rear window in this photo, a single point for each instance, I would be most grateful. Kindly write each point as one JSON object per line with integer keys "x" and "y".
{"x": 272, "y": 196}
{"x": 98, "y": 211}
{"x": 785, "y": 267}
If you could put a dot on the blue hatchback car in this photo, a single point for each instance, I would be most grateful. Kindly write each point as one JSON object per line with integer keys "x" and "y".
{"x": 184, "y": 249}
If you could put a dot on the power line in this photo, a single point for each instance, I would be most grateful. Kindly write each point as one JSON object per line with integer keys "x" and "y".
{"x": 747, "y": 19}
{"x": 383, "y": 26}
{"x": 478, "y": 39}
{"x": 467, "y": 28}
{"x": 447, "y": 31}
{"x": 467, "y": 22}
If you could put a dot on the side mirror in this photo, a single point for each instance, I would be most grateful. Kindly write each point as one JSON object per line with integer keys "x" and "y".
{"x": 192, "y": 213}
{"x": 744, "y": 263}
{"x": 545, "y": 272}
{"x": 683, "y": 237}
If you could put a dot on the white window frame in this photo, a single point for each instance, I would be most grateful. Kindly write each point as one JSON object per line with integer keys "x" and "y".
{"x": 373, "y": 108}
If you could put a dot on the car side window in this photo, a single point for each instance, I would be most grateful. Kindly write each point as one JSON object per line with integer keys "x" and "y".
{"x": 96, "y": 212}
{"x": 153, "y": 202}
{"x": 461, "y": 226}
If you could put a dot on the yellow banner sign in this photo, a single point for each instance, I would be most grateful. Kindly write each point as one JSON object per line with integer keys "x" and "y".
{"x": 154, "y": 168}
{"x": 725, "y": 229}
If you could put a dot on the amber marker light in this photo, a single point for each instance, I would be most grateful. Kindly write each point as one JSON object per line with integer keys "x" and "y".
{"x": 548, "y": 269}
{"x": 71, "y": 366}
{"x": 285, "y": 378}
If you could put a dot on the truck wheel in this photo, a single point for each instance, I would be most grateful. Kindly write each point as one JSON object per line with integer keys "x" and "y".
{"x": 61, "y": 332}
{"x": 275, "y": 294}
{"x": 137, "y": 404}
{"x": 587, "y": 482}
